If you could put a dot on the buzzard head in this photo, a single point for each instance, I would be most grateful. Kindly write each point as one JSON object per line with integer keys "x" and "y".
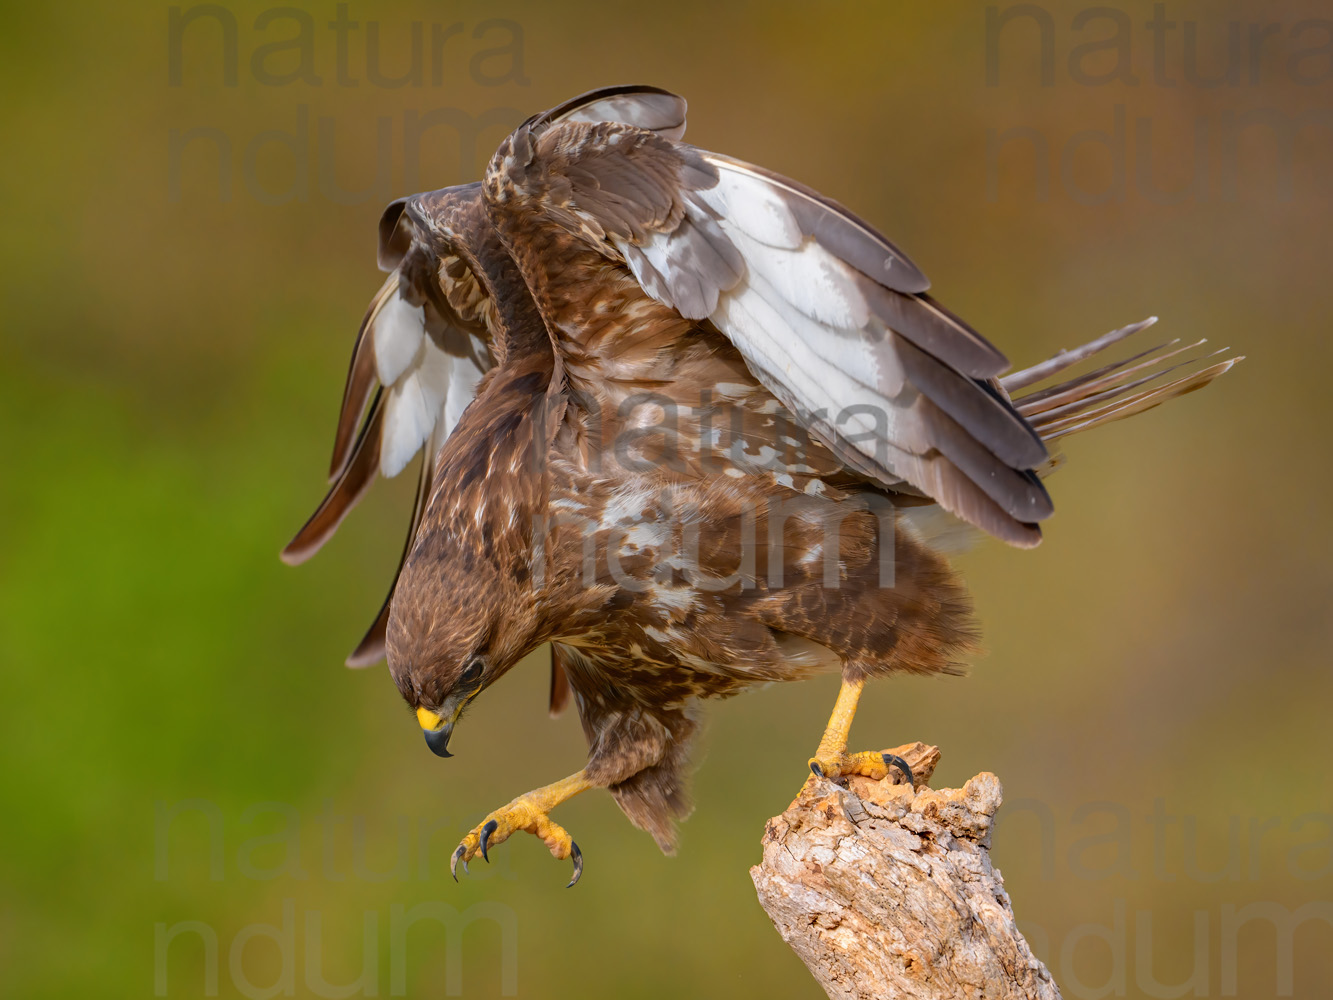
{"x": 457, "y": 623}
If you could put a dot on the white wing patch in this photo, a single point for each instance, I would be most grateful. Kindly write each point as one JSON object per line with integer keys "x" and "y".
{"x": 400, "y": 330}
{"x": 795, "y": 310}
{"x": 755, "y": 209}
{"x": 415, "y": 403}
{"x": 891, "y": 380}
{"x": 427, "y": 388}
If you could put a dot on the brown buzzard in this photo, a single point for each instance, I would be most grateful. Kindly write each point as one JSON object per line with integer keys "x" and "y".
{"x": 690, "y": 423}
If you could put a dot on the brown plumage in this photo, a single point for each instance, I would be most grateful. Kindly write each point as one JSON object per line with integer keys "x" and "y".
{"x": 712, "y": 412}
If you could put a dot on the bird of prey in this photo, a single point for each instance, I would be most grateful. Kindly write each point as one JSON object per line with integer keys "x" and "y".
{"x": 693, "y": 425}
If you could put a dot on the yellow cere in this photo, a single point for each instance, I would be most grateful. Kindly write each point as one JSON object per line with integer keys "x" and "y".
{"x": 428, "y": 719}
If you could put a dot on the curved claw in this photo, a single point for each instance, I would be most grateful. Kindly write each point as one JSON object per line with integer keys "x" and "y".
{"x": 486, "y": 831}
{"x": 453, "y": 862}
{"x": 816, "y": 770}
{"x": 577, "y": 855}
{"x": 893, "y": 760}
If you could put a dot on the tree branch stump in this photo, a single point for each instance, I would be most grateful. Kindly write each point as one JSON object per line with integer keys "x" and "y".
{"x": 888, "y": 891}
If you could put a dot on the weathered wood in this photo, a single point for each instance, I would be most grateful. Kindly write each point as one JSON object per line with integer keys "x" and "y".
{"x": 888, "y": 891}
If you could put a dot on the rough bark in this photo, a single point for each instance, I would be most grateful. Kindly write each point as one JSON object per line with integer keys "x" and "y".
{"x": 888, "y": 891}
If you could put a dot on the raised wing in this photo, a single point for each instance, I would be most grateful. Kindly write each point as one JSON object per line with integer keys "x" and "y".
{"x": 424, "y": 344}
{"x": 829, "y": 315}
{"x": 419, "y": 354}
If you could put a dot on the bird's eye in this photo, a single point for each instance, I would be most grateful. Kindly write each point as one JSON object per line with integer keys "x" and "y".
{"x": 472, "y": 672}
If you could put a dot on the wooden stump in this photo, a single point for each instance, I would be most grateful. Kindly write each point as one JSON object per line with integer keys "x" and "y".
{"x": 888, "y": 891}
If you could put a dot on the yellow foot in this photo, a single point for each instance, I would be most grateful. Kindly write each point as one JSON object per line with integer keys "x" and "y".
{"x": 524, "y": 813}
{"x": 871, "y": 763}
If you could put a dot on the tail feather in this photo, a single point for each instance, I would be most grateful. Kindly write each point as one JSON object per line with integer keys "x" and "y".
{"x": 1109, "y": 387}
{"x": 1113, "y": 391}
{"x": 1033, "y": 400}
{"x": 1137, "y": 403}
{"x": 1116, "y": 374}
{"x": 1107, "y": 393}
{"x": 1067, "y": 359}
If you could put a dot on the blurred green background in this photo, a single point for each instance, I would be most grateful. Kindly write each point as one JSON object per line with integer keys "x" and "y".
{"x": 1156, "y": 690}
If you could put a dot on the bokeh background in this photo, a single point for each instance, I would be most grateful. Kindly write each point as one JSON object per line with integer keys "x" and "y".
{"x": 185, "y": 759}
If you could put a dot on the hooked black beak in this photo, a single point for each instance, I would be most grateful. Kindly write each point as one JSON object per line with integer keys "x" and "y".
{"x": 438, "y": 740}
{"x": 436, "y": 730}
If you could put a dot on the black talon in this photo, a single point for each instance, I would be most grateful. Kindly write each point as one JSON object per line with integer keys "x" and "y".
{"x": 577, "y": 855}
{"x": 491, "y": 827}
{"x": 816, "y": 770}
{"x": 893, "y": 760}
{"x": 453, "y": 862}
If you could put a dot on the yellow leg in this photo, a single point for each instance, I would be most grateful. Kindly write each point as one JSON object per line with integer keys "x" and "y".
{"x": 529, "y": 813}
{"x": 831, "y": 759}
